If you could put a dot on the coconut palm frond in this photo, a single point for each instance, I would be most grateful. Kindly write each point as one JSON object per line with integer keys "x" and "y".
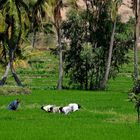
{"x": 114, "y": 8}
{"x": 2, "y": 3}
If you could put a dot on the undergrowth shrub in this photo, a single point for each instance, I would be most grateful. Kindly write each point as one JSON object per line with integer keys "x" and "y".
{"x": 134, "y": 97}
{"x": 13, "y": 90}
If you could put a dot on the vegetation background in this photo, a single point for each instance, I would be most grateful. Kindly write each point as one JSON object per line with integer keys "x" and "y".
{"x": 105, "y": 114}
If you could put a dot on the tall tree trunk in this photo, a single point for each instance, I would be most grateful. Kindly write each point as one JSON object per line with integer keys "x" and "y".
{"x": 4, "y": 77}
{"x": 33, "y": 38}
{"x": 138, "y": 112}
{"x": 86, "y": 85}
{"x": 108, "y": 64}
{"x": 12, "y": 51}
{"x": 60, "y": 60}
{"x": 16, "y": 77}
{"x": 136, "y": 36}
{"x": 13, "y": 70}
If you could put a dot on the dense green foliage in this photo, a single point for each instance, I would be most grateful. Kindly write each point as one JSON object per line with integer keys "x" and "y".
{"x": 87, "y": 33}
{"x": 83, "y": 29}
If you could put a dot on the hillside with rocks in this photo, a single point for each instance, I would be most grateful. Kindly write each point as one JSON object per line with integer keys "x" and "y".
{"x": 125, "y": 10}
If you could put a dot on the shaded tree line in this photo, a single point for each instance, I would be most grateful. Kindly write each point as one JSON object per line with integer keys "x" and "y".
{"x": 96, "y": 40}
{"x": 88, "y": 34}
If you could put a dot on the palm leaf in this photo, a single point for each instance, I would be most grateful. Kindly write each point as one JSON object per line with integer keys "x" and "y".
{"x": 2, "y": 2}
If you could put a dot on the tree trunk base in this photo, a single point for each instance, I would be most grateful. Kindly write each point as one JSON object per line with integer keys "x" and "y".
{"x": 17, "y": 79}
{"x": 2, "y": 81}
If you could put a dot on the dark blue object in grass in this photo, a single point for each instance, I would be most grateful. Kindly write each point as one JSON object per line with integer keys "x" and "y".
{"x": 14, "y": 105}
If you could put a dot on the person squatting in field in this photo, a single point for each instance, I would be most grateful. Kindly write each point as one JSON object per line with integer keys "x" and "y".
{"x": 14, "y": 105}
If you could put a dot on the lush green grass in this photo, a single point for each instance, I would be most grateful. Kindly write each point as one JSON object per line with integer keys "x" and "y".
{"x": 104, "y": 116}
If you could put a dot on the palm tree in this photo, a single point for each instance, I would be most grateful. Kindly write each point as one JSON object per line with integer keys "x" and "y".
{"x": 57, "y": 22}
{"x": 136, "y": 9}
{"x": 12, "y": 11}
{"x": 37, "y": 13}
{"x": 114, "y": 10}
{"x": 54, "y": 14}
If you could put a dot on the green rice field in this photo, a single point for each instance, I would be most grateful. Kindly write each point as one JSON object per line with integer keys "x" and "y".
{"x": 105, "y": 115}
